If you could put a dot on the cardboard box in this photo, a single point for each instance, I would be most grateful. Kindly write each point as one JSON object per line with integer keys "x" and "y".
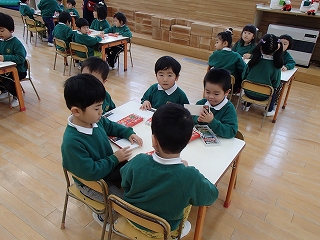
{"x": 165, "y": 35}
{"x": 180, "y": 36}
{"x": 180, "y": 41}
{"x": 194, "y": 41}
{"x": 183, "y": 22}
{"x": 202, "y": 29}
{"x": 156, "y": 21}
{"x": 205, "y": 43}
{"x": 146, "y": 21}
{"x": 156, "y": 33}
{"x": 146, "y": 29}
{"x": 138, "y": 27}
{"x": 217, "y": 29}
{"x": 181, "y": 29}
{"x": 166, "y": 23}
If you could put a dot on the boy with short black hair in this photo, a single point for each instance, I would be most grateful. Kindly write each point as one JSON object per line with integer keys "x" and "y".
{"x": 25, "y": 9}
{"x": 167, "y": 70}
{"x": 222, "y": 117}
{"x": 163, "y": 183}
{"x": 71, "y": 8}
{"x": 11, "y": 49}
{"x": 100, "y": 69}
{"x": 63, "y": 30}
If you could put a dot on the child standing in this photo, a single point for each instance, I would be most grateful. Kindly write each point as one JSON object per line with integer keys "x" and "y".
{"x": 163, "y": 183}
{"x": 265, "y": 67}
{"x": 224, "y": 57}
{"x": 167, "y": 71}
{"x": 246, "y": 43}
{"x": 119, "y": 28}
{"x": 25, "y": 9}
{"x": 63, "y": 30}
{"x": 100, "y": 69}
{"x": 222, "y": 117}
{"x": 100, "y": 14}
{"x": 11, "y": 49}
{"x": 71, "y": 8}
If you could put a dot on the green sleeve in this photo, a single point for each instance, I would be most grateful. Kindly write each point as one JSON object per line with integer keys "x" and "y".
{"x": 289, "y": 61}
{"x": 245, "y": 72}
{"x": 235, "y": 46}
{"x": 116, "y": 129}
{"x": 126, "y": 32}
{"x": 109, "y": 30}
{"x": 19, "y": 56}
{"x": 147, "y": 94}
{"x": 276, "y": 78}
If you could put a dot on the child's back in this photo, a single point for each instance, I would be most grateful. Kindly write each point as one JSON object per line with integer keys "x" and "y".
{"x": 25, "y": 9}
{"x": 62, "y": 30}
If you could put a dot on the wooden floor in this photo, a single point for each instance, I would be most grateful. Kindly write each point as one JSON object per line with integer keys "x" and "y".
{"x": 277, "y": 195}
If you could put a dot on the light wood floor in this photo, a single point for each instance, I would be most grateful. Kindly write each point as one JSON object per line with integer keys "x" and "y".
{"x": 277, "y": 195}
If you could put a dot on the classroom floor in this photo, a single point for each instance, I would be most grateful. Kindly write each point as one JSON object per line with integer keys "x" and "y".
{"x": 277, "y": 194}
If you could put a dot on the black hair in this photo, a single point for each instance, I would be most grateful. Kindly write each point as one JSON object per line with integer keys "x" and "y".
{"x": 288, "y": 38}
{"x": 249, "y": 28}
{"x": 226, "y": 37}
{"x": 83, "y": 90}
{"x": 167, "y": 62}
{"x": 219, "y": 76}
{"x": 64, "y": 17}
{"x": 96, "y": 64}
{"x": 121, "y": 17}
{"x": 172, "y": 126}
{"x": 72, "y": 2}
{"x": 269, "y": 45}
{"x": 6, "y": 21}
{"x": 101, "y": 9}
{"x": 81, "y": 22}
{"x": 23, "y": 1}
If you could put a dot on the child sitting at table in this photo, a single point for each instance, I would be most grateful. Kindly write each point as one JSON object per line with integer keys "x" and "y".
{"x": 71, "y": 8}
{"x": 60, "y": 3}
{"x": 11, "y": 49}
{"x": 86, "y": 150}
{"x": 119, "y": 28}
{"x": 63, "y": 30}
{"x": 82, "y": 37}
{"x": 163, "y": 183}
{"x": 25, "y": 9}
{"x": 100, "y": 69}
{"x": 246, "y": 43}
{"x": 222, "y": 116}
{"x": 167, "y": 70}
{"x": 100, "y": 14}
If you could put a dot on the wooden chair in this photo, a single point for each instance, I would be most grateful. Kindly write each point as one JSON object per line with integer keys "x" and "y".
{"x": 95, "y": 206}
{"x": 233, "y": 81}
{"x": 77, "y": 48}
{"x": 240, "y": 136}
{"x": 60, "y": 44}
{"x": 257, "y": 88}
{"x": 127, "y": 211}
{"x": 24, "y": 25}
{"x": 28, "y": 78}
{"x": 33, "y": 28}
{"x": 129, "y": 51}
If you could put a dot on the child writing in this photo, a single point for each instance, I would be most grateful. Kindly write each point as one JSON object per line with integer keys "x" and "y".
{"x": 25, "y": 9}
{"x": 11, "y": 49}
{"x": 222, "y": 117}
{"x": 246, "y": 43}
{"x": 71, "y": 8}
{"x": 100, "y": 14}
{"x": 163, "y": 183}
{"x": 100, "y": 69}
{"x": 167, "y": 71}
{"x": 63, "y": 30}
{"x": 119, "y": 28}
{"x": 224, "y": 57}
{"x": 265, "y": 67}
{"x": 86, "y": 150}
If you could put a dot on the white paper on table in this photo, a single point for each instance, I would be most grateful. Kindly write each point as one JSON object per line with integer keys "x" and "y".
{"x": 195, "y": 109}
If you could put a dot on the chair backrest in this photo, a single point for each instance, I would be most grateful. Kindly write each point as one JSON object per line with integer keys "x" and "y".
{"x": 30, "y": 22}
{"x": 139, "y": 216}
{"x": 239, "y": 135}
{"x": 60, "y": 43}
{"x": 233, "y": 81}
{"x": 257, "y": 87}
{"x": 39, "y": 19}
{"x": 78, "y": 48}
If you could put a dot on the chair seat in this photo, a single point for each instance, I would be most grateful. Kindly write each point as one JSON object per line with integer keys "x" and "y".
{"x": 262, "y": 103}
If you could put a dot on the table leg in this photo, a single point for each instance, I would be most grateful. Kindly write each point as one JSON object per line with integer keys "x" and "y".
{"x": 200, "y": 221}
{"x": 278, "y": 105}
{"x": 125, "y": 57}
{"x": 288, "y": 91}
{"x": 103, "y": 52}
{"x": 73, "y": 23}
{"x": 18, "y": 88}
{"x": 232, "y": 182}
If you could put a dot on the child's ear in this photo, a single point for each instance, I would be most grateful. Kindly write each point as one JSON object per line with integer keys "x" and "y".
{"x": 155, "y": 143}
{"x": 227, "y": 92}
{"x": 177, "y": 77}
{"x": 75, "y": 111}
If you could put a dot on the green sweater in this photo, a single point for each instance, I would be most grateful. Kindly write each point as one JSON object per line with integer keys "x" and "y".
{"x": 99, "y": 25}
{"x": 165, "y": 190}
{"x": 75, "y": 12}
{"x": 25, "y": 10}
{"x": 87, "y": 40}
{"x": 225, "y": 121}
{"x": 13, "y": 50}
{"x": 229, "y": 60}
{"x": 158, "y": 98}
{"x": 63, "y": 32}
{"x": 48, "y": 7}
{"x": 288, "y": 61}
{"x": 61, "y": 7}
{"x": 241, "y": 49}
{"x": 124, "y": 30}
{"x": 90, "y": 156}
{"x": 107, "y": 104}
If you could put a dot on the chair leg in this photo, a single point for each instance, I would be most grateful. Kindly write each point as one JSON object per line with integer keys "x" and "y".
{"x": 34, "y": 89}
{"x": 35, "y": 43}
{"x": 65, "y": 63}
{"x": 118, "y": 59}
{"x": 131, "y": 58}
{"x": 54, "y": 63}
{"x": 22, "y": 88}
{"x": 70, "y": 66}
{"x": 63, "y": 221}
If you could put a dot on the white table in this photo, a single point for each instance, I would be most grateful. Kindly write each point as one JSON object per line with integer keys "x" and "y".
{"x": 212, "y": 162}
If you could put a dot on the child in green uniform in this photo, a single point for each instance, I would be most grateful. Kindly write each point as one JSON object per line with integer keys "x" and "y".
{"x": 60, "y": 3}
{"x": 167, "y": 71}
{"x": 265, "y": 67}
{"x": 224, "y": 57}
{"x": 119, "y": 28}
{"x": 246, "y": 43}
{"x": 11, "y": 49}
{"x": 100, "y": 22}
{"x": 63, "y": 30}
{"x": 100, "y": 69}
{"x": 222, "y": 117}
{"x": 25, "y": 9}
{"x": 163, "y": 183}
{"x": 71, "y": 8}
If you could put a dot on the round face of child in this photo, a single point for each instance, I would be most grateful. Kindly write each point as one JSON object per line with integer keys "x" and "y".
{"x": 5, "y": 33}
{"x": 166, "y": 78}
{"x": 95, "y": 14}
{"x": 91, "y": 115}
{"x": 116, "y": 22}
{"x": 247, "y": 36}
{"x": 285, "y": 44}
{"x": 84, "y": 29}
{"x": 69, "y": 5}
{"x": 214, "y": 93}
{"x": 220, "y": 44}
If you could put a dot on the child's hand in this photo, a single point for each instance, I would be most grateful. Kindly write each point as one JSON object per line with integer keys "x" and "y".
{"x": 246, "y": 56}
{"x": 284, "y": 68}
{"x": 135, "y": 139}
{"x": 146, "y": 105}
{"x": 123, "y": 154}
{"x": 205, "y": 116}
{"x": 185, "y": 163}
{"x": 101, "y": 34}
{"x": 1, "y": 58}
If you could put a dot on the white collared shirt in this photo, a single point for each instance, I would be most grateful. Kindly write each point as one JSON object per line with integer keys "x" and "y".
{"x": 84, "y": 130}
{"x": 166, "y": 161}
{"x": 227, "y": 49}
{"x": 218, "y": 106}
{"x": 268, "y": 57}
{"x": 170, "y": 90}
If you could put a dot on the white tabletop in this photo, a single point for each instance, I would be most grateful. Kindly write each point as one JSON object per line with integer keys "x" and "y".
{"x": 7, "y": 64}
{"x": 107, "y": 38}
{"x": 212, "y": 162}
